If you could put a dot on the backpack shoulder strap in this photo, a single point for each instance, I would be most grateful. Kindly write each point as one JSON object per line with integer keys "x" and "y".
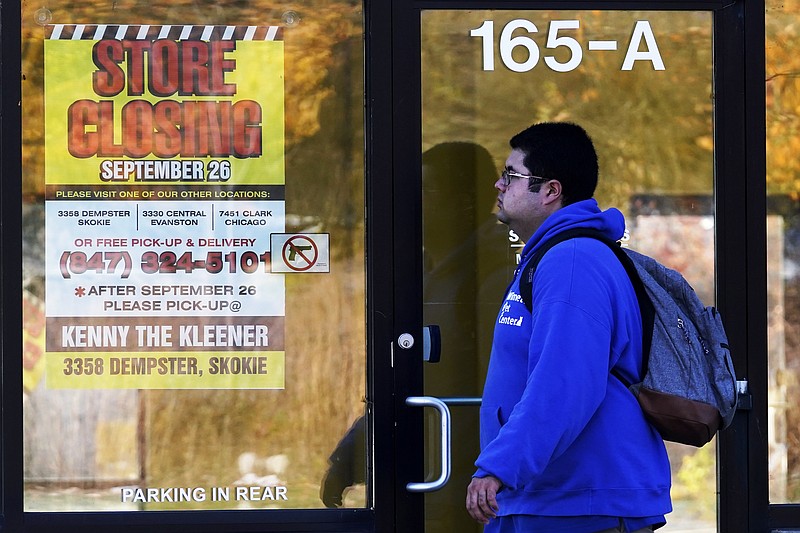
{"x": 526, "y": 277}
{"x": 645, "y": 304}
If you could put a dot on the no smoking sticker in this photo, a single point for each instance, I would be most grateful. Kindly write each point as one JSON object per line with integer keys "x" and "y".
{"x": 300, "y": 252}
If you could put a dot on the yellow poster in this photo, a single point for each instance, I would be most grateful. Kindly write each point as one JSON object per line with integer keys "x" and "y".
{"x": 126, "y": 106}
{"x": 164, "y": 155}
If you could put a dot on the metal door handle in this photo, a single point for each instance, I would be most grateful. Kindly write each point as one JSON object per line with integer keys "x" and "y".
{"x": 444, "y": 421}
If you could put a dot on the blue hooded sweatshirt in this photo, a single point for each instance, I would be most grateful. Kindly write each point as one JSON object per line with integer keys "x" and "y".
{"x": 565, "y": 437}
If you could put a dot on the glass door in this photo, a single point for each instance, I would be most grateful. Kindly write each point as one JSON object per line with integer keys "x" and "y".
{"x": 641, "y": 84}
{"x": 783, "y": 191}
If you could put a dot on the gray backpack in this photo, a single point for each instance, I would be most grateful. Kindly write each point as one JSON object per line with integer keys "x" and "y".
{"x": 688, "y": 388}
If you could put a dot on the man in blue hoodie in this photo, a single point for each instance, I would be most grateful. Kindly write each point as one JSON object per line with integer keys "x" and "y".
{"x": 564, "y": 445}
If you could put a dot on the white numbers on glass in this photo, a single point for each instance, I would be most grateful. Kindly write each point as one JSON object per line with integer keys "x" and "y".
{"x": 553, "y": 41}
{"x": 511, "y": 39}
{"x": 486, "y": 32}
{"x": 508, "y": 43}
{"x": 642, "y": 30}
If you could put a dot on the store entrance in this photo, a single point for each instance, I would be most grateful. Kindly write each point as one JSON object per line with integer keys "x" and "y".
{"x": 489, "y": 74}
{"x": 385, "y": 127}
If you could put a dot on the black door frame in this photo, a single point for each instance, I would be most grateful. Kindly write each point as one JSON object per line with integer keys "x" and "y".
{"x": 740, "y": 137}
{"x": 12, "y": 515}
{"x": 740, "y": 209}
{"x": 393, "y": 208}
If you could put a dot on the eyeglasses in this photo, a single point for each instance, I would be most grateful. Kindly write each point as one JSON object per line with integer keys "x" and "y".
{"x": 507, "y": 175}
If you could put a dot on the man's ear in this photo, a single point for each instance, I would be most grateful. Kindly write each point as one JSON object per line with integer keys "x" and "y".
{"x": 553, "y": 191}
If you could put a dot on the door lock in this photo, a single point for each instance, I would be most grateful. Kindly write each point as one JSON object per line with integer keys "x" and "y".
{"x": 405, "y": 341}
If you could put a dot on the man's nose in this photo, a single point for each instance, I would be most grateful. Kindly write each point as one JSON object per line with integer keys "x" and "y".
{"x": 499, "y": 184}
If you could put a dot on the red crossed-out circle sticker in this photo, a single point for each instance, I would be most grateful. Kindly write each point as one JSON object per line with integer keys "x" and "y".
{"x": 300, "y": 253}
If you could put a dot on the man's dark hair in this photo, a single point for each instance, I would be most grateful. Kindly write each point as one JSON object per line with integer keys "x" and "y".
{"x": 560, "y": 151}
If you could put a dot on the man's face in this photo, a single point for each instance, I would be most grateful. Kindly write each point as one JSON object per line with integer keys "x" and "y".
{"x": 518, "y": 207}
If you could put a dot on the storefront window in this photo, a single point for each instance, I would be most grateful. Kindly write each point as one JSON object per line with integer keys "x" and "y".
{"x": 193, "y": 238}
{"x": 783, "y": 253}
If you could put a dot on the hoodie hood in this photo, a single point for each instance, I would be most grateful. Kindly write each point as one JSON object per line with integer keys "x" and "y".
{"x": 583, "y": 214}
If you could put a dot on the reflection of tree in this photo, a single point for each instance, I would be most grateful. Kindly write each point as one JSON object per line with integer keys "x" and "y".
{"x": 652, "y": 128}
{"x": 191, "y": 437}
{"x": 783, "y": 98}
{"x": 783, "y": 178}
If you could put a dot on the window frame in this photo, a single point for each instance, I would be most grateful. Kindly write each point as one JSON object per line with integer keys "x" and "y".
{"x": 392, "y": 55}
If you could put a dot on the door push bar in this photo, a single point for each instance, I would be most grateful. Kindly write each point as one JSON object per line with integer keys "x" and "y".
{"x": 444, "y": 421}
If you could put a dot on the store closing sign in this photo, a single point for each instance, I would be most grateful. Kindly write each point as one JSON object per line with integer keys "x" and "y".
{"x": 164, "y": 157}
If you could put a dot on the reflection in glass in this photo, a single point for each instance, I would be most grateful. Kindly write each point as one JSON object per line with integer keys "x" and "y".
{"x": 82, "y": 447}
{"x": 783, "y": 254}
{"x": 482, "y": 82}
{"x": 467, "y": 263}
